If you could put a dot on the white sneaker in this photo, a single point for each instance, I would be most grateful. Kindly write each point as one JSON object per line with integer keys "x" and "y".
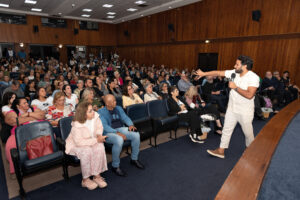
{"x": 195, "y": 139}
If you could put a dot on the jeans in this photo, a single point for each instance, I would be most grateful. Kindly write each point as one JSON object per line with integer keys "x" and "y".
{"x": 117, "y": 142}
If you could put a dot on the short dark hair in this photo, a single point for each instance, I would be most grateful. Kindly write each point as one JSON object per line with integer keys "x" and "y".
{"x": 125, "y": 89}
{"x": 246, "y": 60}
{"x": 172, "y": 89}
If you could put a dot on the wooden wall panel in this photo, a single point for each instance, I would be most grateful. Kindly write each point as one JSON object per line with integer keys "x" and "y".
{"x": 106, "y": 35}
{"x": 215, "y": 19}
{"x": 273, "y": 54}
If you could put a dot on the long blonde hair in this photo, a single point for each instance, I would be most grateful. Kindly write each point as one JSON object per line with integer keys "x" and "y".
{"x": 191, "y": 92}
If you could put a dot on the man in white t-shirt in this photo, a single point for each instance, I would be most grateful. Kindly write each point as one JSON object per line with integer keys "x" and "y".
{"x": 241, "y": 101}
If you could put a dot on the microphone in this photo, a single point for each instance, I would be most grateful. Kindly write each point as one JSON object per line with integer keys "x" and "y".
{"x": 232, "y": 77}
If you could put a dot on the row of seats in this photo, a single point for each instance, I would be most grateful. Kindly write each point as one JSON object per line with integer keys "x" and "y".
{"x": 150, "y": 119}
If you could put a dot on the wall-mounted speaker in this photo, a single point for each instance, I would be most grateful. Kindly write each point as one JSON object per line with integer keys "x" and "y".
{"x": 126, "y": 33}
{"x": 256, "y": 14}
{"x": 76, "y": 31}
{"x": 35, "y": 29}
{"x": 171, "y": 27}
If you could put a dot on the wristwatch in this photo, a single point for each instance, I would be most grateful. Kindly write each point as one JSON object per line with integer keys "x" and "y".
{"x": 236, "y": 89}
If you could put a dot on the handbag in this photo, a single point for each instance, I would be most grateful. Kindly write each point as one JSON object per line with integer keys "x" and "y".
{"x": 39, "y": 147}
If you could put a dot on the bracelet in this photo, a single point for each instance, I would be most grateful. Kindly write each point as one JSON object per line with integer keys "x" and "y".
{"x": 236, "y": 89}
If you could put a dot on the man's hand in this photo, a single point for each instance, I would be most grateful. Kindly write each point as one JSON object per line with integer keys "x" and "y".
{"x": 271, "y": 88}
{"x": 122, "y": 135}
{"x": 232, "y": 85}
{"x": 132, "y": 128}
{"x": 199, "y": 73}
{"x": 101, "y": 138}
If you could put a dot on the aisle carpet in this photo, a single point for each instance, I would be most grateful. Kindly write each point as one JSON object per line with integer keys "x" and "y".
{"x": 178, "y": 169}
{"x": 282, "y": 180}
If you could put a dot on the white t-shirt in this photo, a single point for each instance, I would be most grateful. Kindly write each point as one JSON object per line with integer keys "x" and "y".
{"x": 6, "y": 109}
{"x": 238, "y": 103}
{"x": 43, "y": 105}
{"x": 71, "y": 101}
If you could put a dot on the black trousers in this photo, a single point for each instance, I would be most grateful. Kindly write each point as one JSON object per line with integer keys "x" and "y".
{"x": 209, "y": 109}
{"x": 192, "y": 118}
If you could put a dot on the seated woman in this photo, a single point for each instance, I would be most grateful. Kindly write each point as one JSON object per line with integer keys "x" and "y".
{"x": 57, "y": 111}
{"x": 113, "y": 88}
{"x": 194, "y": 101}
{"x": 71, "y": 99}
{"x": 163, "y": 90}
{"x": 177, "y": 107}
{"x": 41, "y": 101}
{"x": 89, "y": 96}
{"x": 8, "y": 99}
{"x": 79, "y": 88}
{"x": 86, "y": 142}
{"x": 30, "y": 91}
{"x": 150, "y": 95}
{"x": 20, "y": 114}
{"x": 129, "y": 97}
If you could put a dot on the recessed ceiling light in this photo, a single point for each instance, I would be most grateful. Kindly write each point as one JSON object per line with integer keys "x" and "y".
{"x": 207, "y": 41}
{"x": 107, "y": 5}
{"x": 36, "y": 9}
{"x": 140, "y": 2}
{"x": 87, "y": 10}
{"x": 85, "y": 15}
{"x": 21, "y": 44}
{"x": 131, "y": 9}
{"x": 170, "y": 7}
{"x": 142, "y": 15}
{"x": 30, "y": 2}
{"x": 60, "y": 13}
{"x": 110, "y": 17}
{"x": 4, "y": 5}
{"x": 111, "y": 13}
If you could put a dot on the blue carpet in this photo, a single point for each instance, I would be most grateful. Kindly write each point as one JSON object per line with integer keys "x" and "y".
{"x": 282, "y": 180}
{"x": 178, "y": 169}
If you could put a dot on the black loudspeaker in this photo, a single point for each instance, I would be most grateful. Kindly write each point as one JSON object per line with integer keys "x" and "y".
{"x": 171, "y": 27}
{"x": 256, "y": 14}
{"x": 126, "y": 33}
{"x": 35, "y": 29}
{"x": 76, "y": 31}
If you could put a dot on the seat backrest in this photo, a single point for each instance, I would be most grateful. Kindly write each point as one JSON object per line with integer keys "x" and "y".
{"x": 65, "y": 127}
{"x": 119, "y": 101}
{"x": 137, "y": 112}
{"x": 27, "y": 132}
{"x": 157, "y": 109}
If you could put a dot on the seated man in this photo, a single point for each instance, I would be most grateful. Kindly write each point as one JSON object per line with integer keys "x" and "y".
{"x": 212, "y": 94}
{"x": 113, "y": 119}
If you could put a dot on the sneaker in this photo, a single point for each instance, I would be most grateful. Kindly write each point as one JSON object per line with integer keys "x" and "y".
{"x": 216, "y": 153}
{"x": 207, "y": 117}
{"x": 194, "y": 138}
{"x": 89, "y": 184}
{"x": 100, "y": 182}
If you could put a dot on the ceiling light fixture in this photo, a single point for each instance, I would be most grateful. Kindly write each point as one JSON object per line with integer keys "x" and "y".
{"x": 36, "y": 9}
{"x": 4, "y": 5}
{"x": 140, "y": 2}
{"x": 85, "y": 15}
{"x": 60, "y": 46}
{"x": 111, "y": 13}
{"x": 87, "y": 10}
{"x": 110, "y": 17}
{"x": 21, "y": 44}
{"x": 207, "y": 41}
{"x": 131, "y": 9}
{"x": 30, "y": 2}
{"x": 107, "y": 5}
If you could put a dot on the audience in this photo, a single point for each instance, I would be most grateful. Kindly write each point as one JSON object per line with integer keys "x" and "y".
{"x": 71, "y": 99}
{"x": 114, "y": 120}
{"x": 89, "y": 96}
{"x": 15, "y": 87}
{"x": 41, "y": 101}
{"x": 8, "y": 99}
{"x": 85, "y": 141}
